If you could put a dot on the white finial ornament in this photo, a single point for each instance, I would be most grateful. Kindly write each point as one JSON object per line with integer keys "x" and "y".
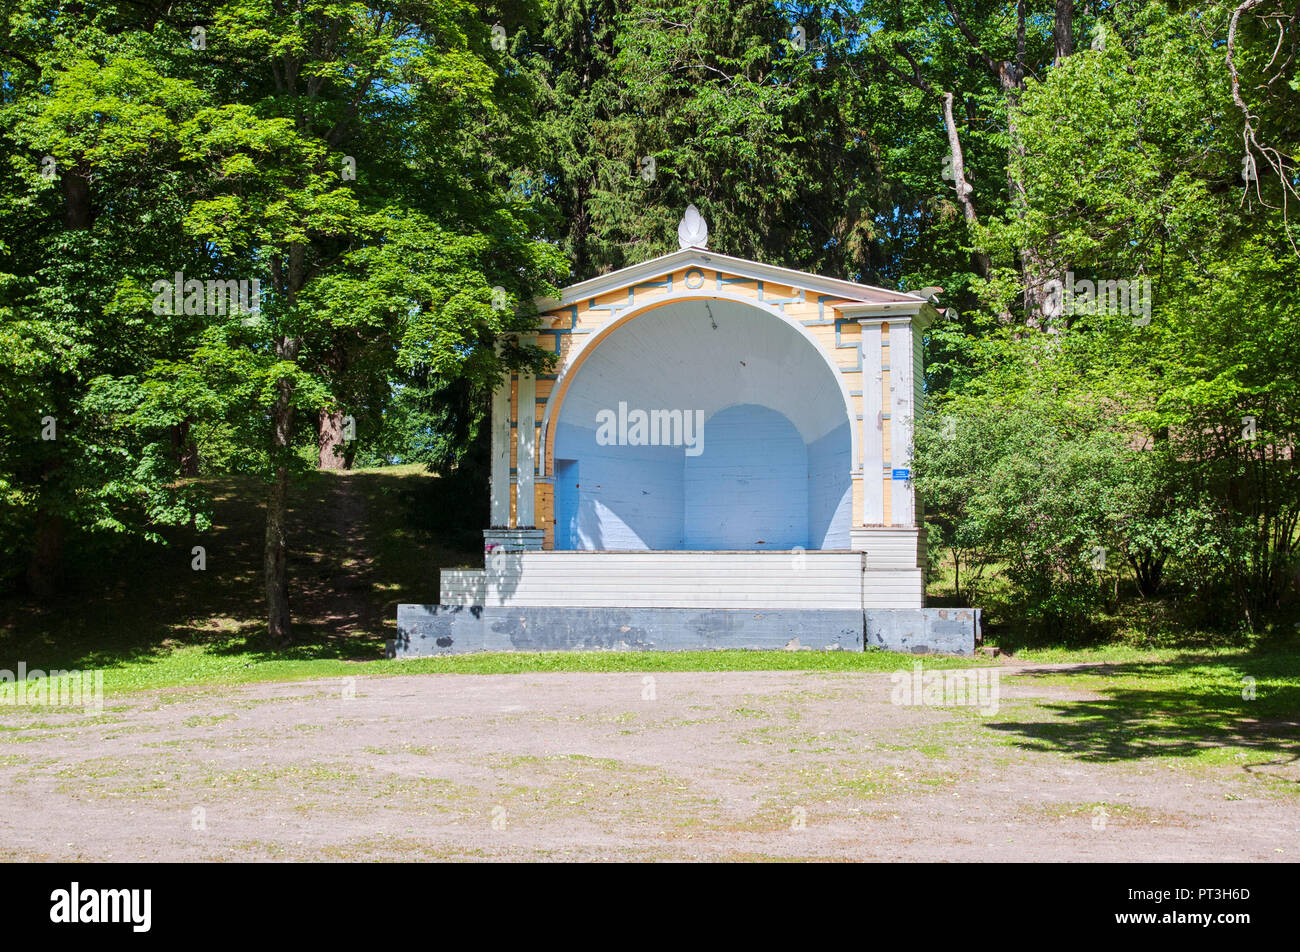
{"x": 693, "y": 232}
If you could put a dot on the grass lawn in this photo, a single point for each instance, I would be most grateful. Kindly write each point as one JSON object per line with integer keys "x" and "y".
{"x": 1195, "y": 706}
{"x": 226, "y": 664}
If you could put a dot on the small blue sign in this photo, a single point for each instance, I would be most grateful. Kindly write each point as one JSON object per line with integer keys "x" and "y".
{"x": 902, "y": 474}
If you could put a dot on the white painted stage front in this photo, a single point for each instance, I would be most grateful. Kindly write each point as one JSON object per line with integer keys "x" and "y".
{"x": 809, "y": 580}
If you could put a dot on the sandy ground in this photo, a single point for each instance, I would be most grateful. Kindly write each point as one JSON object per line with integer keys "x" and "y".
{"x": 699, "y": 766}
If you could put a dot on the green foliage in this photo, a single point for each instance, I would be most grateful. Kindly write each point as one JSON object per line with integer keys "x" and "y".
{"x": 228, "y": 161}
{"x": 1134, "y": 172}
{"x": 1043, "y": 491}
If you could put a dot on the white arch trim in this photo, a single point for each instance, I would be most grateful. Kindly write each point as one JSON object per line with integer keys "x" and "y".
{"x": 590, "y": 342}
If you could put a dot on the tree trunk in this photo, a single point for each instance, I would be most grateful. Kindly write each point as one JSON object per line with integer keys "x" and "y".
{"x": 1062, "y": 30}
{"x": 276, "y": 552}
{"x": 983, "y": 264}
{"x": 333, "y": 454}
{"x": 1011, "y": 77}
{"x": 77, "y": 212}
{"x": 45, "y": 569}
{"x": 46, "y": 565}
{"x": 333, "y": 450}
{"x": 1036, "y": 271}
{"x": 275, "y": 560}
{"x": 184, "y": 448}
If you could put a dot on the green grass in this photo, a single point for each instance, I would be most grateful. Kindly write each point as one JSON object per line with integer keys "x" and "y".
{"x": 1192, "y": 706}
{"x": 1183, "y": 708}
{"x": 208, "y": 665}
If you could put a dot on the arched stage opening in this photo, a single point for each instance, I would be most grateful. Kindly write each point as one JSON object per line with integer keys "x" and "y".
{"x": 703, "y": 424}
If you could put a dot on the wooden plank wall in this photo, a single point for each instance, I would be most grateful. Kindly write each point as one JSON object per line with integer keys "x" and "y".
{"x": 759, "y": 580}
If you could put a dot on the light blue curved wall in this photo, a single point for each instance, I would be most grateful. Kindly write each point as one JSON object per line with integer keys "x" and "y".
{"x": 830, "y": 490}
{"x": 749, "y": 488}
{"x": 626, "y": 497}
{"x": 776, "y": 461}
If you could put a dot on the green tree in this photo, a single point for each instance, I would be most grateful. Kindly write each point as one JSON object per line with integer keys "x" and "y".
{"x": 92, "y": 195}
{"x": 1134, "y": 174}
{"x": 228, "y": 153}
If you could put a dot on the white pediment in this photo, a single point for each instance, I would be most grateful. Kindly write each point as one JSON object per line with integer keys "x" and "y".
{"x": 864, "y": 300}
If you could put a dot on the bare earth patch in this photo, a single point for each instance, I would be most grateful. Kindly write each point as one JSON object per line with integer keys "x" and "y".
{"x": 674, "y": 766}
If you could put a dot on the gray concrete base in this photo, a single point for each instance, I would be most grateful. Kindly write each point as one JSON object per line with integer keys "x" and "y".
{"x": 424, "y": 630}
{"x": 924, "y": 630}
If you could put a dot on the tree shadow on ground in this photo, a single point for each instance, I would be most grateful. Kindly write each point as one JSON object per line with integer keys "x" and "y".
{"x": 1180, "y": 709}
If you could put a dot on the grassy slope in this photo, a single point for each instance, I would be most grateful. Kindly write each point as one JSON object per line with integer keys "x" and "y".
{"x": 357, "y": 549}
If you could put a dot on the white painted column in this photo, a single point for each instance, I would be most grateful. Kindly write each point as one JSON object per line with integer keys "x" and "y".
{"x": 499, "y": 511}
{"x": 873, "y": 439}
{"x": 526, "y": 458}
{"x": 902, "y": 412}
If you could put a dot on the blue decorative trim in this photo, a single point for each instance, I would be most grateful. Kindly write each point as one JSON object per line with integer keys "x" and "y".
{"x": 666, "y": 283}
{"x": 840, "y": 345}
{"x": 781, "y": 302}
{"x": 612, "y": 308}
{"x": 821, "y": 313}
{"x": 559, "y": 332}
{"x": 615, "y": 309}
{"x": 839, "y": 322}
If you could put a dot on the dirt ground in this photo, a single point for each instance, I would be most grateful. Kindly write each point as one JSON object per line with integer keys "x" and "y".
{"x": 674, "y": 766}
